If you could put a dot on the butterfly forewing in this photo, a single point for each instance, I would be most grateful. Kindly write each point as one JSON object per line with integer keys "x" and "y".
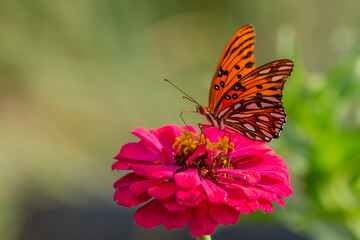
{"x": 236, "y": 61}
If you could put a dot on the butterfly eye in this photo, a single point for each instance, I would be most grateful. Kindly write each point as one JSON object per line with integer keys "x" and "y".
{"x": 222, "y": 84}
{"x": 235, "y": 96}
{"x": 216, "y": 87}
{"x": 227, "y": 97}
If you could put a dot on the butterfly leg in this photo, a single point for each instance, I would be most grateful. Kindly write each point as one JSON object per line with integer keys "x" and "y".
{"x": 182, "y": 119}
{"x": 202, "y": 127}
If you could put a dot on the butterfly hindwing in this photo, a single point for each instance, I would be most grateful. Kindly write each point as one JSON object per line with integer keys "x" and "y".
{"x": 258, "y": 118}
{"x": 257, "y": 112}
{"x": 237, "y": 60}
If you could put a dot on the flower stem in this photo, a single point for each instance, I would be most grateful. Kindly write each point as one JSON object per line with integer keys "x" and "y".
{"x": 206, "y": 237}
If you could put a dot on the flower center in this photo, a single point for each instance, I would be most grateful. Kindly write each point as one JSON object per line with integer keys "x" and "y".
{"x": 214, "y": 157}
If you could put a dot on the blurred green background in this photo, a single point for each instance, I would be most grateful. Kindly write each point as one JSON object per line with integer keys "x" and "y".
{"x": 77, "y": 76}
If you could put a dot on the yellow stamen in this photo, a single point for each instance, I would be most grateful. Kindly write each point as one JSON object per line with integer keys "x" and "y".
{"x": 225, "y": 145}
{"x": 188, "y": 142}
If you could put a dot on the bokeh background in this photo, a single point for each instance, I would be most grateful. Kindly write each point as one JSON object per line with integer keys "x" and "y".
{"x": 77, "y": 76}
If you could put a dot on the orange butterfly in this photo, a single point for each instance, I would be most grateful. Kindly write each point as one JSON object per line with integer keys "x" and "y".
{"x": 245, "y": 99}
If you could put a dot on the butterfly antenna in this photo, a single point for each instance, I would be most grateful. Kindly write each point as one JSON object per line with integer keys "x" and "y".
{"x": 187, "y": 96}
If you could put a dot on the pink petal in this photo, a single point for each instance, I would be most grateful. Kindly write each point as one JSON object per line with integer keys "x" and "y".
{"x": 194, "y": 203}
{"x": 140, "y": 187}
{"x": 200, "y": 150}
{"x": 123, "y": 164}
{"x": 251, "y": 150}
{"x": 187, "y": 179}
{"x": 223, "y": 214}
{"x": 125, "y": 198}
{"x": 166, "y": 156}
{"x": 188, "y": 195}
{"x": 276, "y": 186}
{"x": 243, "y": 208}
{"x": 265, "y": 205}
{"x": 150, "y": 215}
{"x": 161, "y": 171}
{"x": 250, "y": 192}
{"x": 238, "y": 200}
{"x": 136, "y": 151}
{"x": 181, "y": 219}
{"x": 253, "y": 205}
{"x": 250, "y": 177}
{"x": 201, "y": 223}
{"x": 210, "y": 158}
{"x": 262, "y": 161}
{"x": 127, "y": 180}
{"x": 139, "y": 169}
{"x": 214, "y": 193}
{"x": 163, "y": 190}
{"x": 235, "y": 197}
{"x": 280, "y": 201}
{"x": 149, "y": 138}
{"x": 274, "y": 175}
{"x": 176, "y": 219}
{"x": 266, "y": 194}
{"x": 212, "y": 133}
{"x": 172, "y": 205}
{"x": 167, "y": 134}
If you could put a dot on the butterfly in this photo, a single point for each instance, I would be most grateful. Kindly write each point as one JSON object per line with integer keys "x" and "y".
{"x": 245, "y": 99}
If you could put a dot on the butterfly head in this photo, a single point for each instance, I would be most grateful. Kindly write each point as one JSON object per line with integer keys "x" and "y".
{"x": 201, "y": 109}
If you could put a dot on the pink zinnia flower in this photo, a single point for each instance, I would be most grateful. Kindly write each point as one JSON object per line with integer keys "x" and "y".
{"x": 185, "y": 179}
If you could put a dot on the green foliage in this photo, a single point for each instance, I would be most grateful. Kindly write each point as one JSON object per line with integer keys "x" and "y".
{"x": 323, "y": 133}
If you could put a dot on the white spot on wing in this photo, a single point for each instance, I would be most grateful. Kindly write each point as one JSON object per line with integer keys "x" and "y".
{"x": 276, "y": 78}
{"x": 264, "y": 104}
{"x": 272, "y": 99}
{"x": 237, "y": 106}
{"x": 249, "y": 135}
{"x": 261, "y": 124}
{"x": 248, "y": 126}
{"x": 239, "y": 115}
{"x": 231, "y": 121}
{"x": 221, "y": 114}
{"x": 278, "y": 115}
{"x": 266, "y": 133}
{"x": 267, "y": 70}
{"x": 264, "y": 118}
{"x": 252, "y": 106}
{"x": 284, "y": 68}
